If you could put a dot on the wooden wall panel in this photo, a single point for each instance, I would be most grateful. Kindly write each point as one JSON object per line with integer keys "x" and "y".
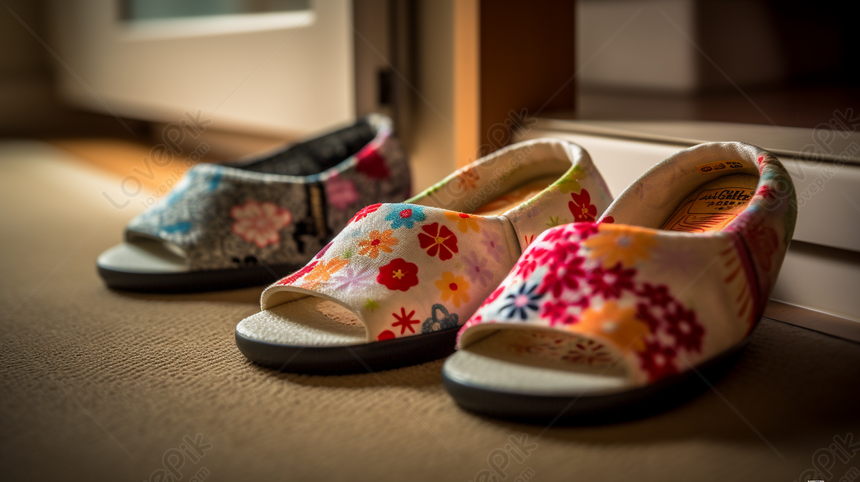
{"x": 527, "y": 63}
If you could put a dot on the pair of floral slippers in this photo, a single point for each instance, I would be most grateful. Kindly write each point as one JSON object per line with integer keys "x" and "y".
{"x": 562, "y": 303}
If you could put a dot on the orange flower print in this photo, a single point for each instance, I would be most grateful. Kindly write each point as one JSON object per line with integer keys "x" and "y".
{"x": 438, "y": 240}
{"x": 298, "y": 274}
{"x": 615, "y": 323}
{"x": 259, "y": 223}
{"x": 468, "y": 178}
{"x": 620, "y": 244}
{"x": 464, "y": 221}
{"x": 454, "y": 288}
{"x": 377, "y": 242}
{"x": 322, "y": 272}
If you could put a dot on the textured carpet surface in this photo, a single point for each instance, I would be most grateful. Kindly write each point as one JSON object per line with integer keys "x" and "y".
{"x": 104, "y": 385}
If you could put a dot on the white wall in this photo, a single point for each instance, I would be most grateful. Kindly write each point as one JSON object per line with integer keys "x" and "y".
{"x": 264, "y": 79}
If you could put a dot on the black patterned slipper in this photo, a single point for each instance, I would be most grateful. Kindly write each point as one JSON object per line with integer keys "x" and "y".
{"x": 252, "y": 222}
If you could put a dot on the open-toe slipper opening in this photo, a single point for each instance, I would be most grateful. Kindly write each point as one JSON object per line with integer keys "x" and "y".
{"x": 144, "y": 254}
{"x": 306, "y": 332}
{"x": 538, "y": 361}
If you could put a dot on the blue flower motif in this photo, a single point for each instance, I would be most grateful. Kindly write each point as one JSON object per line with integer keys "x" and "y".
{"x": 181, "y": 187}
{"x": 522, "y": 301}
{"x": 435, "y": 323}
{"x": 405, "y": 216}
{"x": 215, "y": 180}
{"x": 178, "y": 228}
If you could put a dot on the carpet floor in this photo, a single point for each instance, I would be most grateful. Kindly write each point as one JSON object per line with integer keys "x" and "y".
{"x": 104, "y": 385}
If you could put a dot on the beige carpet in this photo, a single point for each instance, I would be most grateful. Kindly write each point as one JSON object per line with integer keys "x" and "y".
{"x": 102, "y": 385}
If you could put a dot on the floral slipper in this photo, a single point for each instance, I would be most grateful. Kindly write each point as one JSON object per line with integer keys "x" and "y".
{"x": 606, "y": 319}
{"x": 396, "y": 283}
{"x": 249, "y": 223}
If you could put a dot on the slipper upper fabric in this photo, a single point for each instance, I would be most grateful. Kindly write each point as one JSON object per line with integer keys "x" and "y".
{"x": 425, "y": 265}
{"x": 658, "y": 301}
{"x": 279, "y": 208}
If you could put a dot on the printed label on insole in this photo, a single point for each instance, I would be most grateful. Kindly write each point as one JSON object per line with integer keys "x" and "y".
{"x": 724, "y": 200}
{"x": 720, "y": 166}
{"x": 711, "y": 210}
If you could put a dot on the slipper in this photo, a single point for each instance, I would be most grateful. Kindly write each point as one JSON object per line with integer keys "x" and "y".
{"x": 620, "y": 317}
{"x": 396, "y": 283}
{"x": 249, "y": 223}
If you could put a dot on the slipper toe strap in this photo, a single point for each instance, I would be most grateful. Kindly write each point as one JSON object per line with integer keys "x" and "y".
{"x": 219, "y": 218}
{"x": 658, "y": 302}
{"x": 406, "y": 269}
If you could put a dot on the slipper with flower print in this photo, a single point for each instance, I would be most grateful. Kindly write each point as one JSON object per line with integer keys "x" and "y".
{"x": 620, "y": 318}
{"x": 250, "y": 223}
{"x": 396, "y": 283}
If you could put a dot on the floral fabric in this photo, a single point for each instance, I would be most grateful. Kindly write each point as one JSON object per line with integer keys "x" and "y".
{"x": 422, "y": 274}
{"x": 282, "y": 208}
{"x": 661, "y": 301}
{"x": 418, "y": 267}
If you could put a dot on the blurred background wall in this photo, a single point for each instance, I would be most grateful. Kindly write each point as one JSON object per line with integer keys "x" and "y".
{"x": 448, "y": 71}
{"x": 30, "y": 104}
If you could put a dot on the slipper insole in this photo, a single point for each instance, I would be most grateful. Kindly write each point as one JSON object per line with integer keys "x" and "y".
{"x": 714, "y": 205}
{"x": 142, "y": 256}
{"x": 305, "y": 322}
{"x": 537, "y": 363}
{"x": 515, "y": 197}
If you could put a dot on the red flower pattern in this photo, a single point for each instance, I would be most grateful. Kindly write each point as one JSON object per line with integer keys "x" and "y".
{"x": 298, "y": 274}
{"x": 322, "y": 251}
{"x": 562, "y": 276}
{"x": 585, "y": 230}
{"x": 643, "y": 313}
{"x": 438, "y": 239}
{"x": 363, "y": 212}
{"x": 399, "y": 274}
{"x": 655, "y": 306}
{"x": 558, "y": 313}
{"x": 372, "y": 164}
{"x": 657, "y": 360}
{"x": 493, "y": 296}
{"x": 766, "y": 192}
{"x": 526, "y": 266}
{"x": 684, "y": 328}
{"x": 527, "y": 238}
{"x": 657, "y": 295}
{"x": 404, "y": 321}
{"x": 581, "y": 207}
{"x": 260, "y": 222}
{"x": 611, "y": 283}
{"x": 554, "y": 235}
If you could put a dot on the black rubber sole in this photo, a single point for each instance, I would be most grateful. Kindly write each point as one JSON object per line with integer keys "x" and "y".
{"x": 341, "y": 360}
{"x": 560, "y": 410}
{"x": 195, "y": 281}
